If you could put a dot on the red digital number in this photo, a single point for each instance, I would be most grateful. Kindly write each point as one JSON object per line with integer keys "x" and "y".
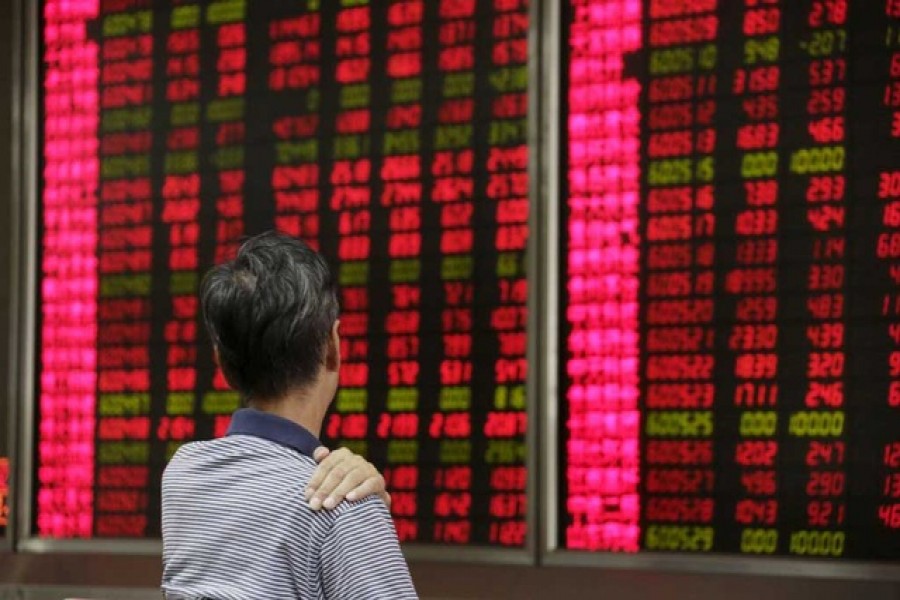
{"x": 756, "y": 453}
{"x": 826, "y": 101}
{"x": 825, "y": 483}
{"x": 452, "y": 425}
{"x": 827, "y": 12}
{"x": 762, "y": 21}
{"x": 892, "y": 455}
{"x": 827, "y": 130}
{"x": 762, "y": 192}
{"x": 759, "y": 483}
{"x": 825, "y": 453}
{"x": 404, "y": 504}
{"x": 763, "y": 512}
{"x": 824, "y": 513}
{"x": 889, "y": 514}
{"x": 828, "y": 71}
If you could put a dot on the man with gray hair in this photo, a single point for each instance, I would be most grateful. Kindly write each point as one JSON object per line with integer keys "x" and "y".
{"x": 235, "y": 519}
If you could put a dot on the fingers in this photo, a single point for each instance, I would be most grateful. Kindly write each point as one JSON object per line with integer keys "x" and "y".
{"x": 355, "y": 478}
{"x": 320, "y": 453}
{"x": 342, "y": 474}
{"x": 371, "y": 486}
{"x": 334, "y": 484}
{"x": 322, "y": 472}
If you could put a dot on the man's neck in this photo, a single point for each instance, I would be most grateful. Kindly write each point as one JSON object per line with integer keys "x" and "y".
{"x": 305, "y": 408}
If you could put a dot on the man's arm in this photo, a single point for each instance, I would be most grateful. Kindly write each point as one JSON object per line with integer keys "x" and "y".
{"x": 343, "y": 474}
{"x": 361, "y": 557}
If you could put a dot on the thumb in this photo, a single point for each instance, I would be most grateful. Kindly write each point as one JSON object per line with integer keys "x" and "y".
{"x": 320, "y": 453}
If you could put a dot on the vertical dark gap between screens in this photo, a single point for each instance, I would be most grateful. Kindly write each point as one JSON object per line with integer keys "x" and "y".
{"x": 563, "y": 512}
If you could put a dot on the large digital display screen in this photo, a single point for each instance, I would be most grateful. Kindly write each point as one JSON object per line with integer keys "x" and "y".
{"x": 730, "y": 378}
{"x": 390, "y": 135}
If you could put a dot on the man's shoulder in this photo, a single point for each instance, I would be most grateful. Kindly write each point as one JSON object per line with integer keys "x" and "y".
{"x": 249, "y": 471}
{"x": 243, "y": 450}
{"x": 361, "y": 555}
{"x": 191, "y": 450}
{"x": 365, "y": 513}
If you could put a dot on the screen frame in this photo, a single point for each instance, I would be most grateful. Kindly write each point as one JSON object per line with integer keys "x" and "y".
{"x": 28, "y": 27}
{"x": 552, "y": 554}
{"x": 11, "y": 271}
{"x": 28, "y": 110}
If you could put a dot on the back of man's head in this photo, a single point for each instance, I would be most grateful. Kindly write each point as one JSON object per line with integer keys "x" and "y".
{"x": 270, "y": 314}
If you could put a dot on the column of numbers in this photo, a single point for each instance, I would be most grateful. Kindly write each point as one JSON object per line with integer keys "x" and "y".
{"x": 68, "y": 292}
{"x": 180, "y": 192}
{"x": 753, "y": 337}
{"x": 402, "y": 194}
{"x": 125, "y": 260}
{"x": 820, "y": 164}
{"x": 294, "y": 53}
{"x": 453, "y": 191}
{"x": 223, "y": 164}
{"x": 505, "y": 425}
{"x": 349, "y": 176}
{"x": 679, "y": 504}
{"x": 601, "y": 370}
{"x": 887, "y": 251}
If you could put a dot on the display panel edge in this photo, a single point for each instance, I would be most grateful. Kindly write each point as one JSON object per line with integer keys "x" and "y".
{"x": 550, "y": 52}
{"x": 535, "y": 277}
{"x": 28, "y": 131}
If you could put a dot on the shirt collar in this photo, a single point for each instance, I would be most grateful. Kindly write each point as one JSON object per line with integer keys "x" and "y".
{"x": 249, "y": 421}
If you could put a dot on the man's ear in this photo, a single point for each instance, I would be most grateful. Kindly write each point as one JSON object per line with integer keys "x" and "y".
{"x": 333, "y": 356}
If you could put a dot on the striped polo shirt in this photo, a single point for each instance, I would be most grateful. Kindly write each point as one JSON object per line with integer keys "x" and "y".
{"x": 235, "y": 523}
